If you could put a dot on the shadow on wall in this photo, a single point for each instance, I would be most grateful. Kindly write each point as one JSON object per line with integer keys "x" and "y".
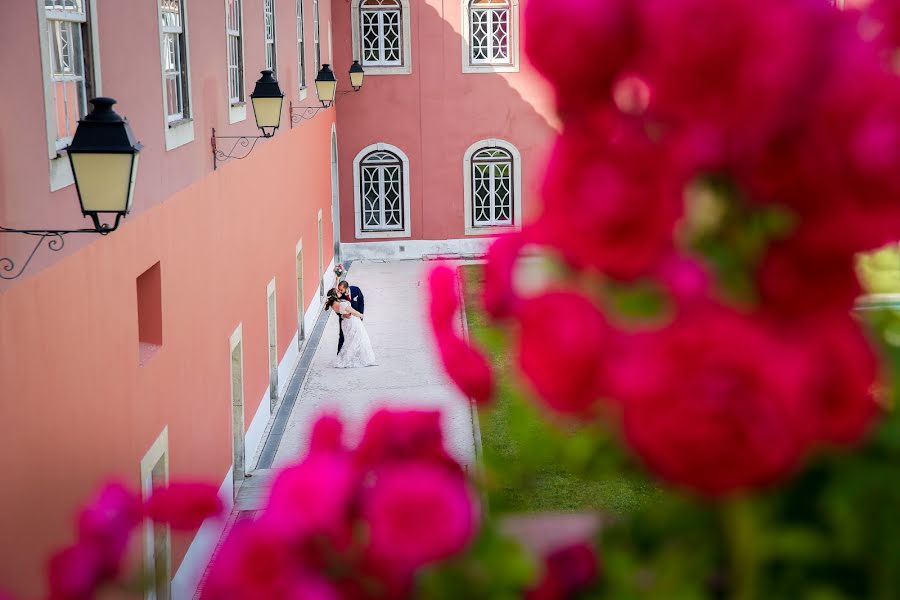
{"x": 435, "y": 114}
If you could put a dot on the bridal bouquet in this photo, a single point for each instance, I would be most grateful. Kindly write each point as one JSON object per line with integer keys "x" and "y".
{"x": 339, "y": 270}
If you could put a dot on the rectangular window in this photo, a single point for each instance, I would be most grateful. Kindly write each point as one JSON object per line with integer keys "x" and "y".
{"x": 174, "y": 55}
{"x": 233, "y": 29}
{"x": 381, "y": 22}
{"x": 490, "y": 32}
{"x": 316, "y": 35}
{"x": 269, "y": 20}
{"x": 301, "y": 52}
{"x": 149, "y": 307}
{"x": 71, "y": 65}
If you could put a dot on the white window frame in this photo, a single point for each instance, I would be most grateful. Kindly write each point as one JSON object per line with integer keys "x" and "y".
{"x": 509, "y": 66}
{"x": 269, "y": 14}
{"x": 237, "y": 105}
{"x": 516, "y": 190}
{"x": 357, "y": 193}
{"x": 317, "y": 36}
{"x": 380, "y": 14}
{"x": 59, "y": 169}
{"x": 180, "y": 131}
{"x": 405, "y": 66}
{"x": 301, "y": 49}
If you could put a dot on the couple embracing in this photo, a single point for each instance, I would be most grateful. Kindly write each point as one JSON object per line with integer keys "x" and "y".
{"x": 354, "y": 347}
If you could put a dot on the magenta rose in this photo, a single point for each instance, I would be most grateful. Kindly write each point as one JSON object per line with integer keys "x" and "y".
{"x": 562, "y": 347}
{"x": 75, "y": 573}
{"x": 444, "y": 299}
{"x": 611, "y": 200}
{"x": 730, "y": 66}
{"x": 499, "y": 294}
{"x": 722, "y": 407}
{"x": 418, "y": 513}
{"x": 567, "y": 571}
{"x": 810, "y": 273}
{"x": 580, "y": 45}
{"x": 845, "y": 376}
{"x": 184, "y": 506}
{"x": 393, "y": 436}
{"x": 254, "y": 563}
{"x": 106, "y": 524}
{"x": 467, "y": 367}
{"x": 314, "y": 497}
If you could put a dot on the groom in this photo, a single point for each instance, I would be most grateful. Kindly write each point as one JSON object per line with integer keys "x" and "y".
{"x": 357, "y": 301}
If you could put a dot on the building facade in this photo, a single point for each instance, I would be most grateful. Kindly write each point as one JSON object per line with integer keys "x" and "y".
{"x": 159, "y": 350}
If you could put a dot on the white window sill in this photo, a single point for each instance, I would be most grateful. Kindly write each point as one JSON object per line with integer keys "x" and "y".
{"x": 237, "y": 112}
{"x": 179, "y": 133}
{"x": 491, "y": 230}
{"x": 370, "y": 235}
{"x": 398, "y": 70}
{"x": 490, "y": 68}
{"x": 60, "y": 173}
{"x": 301, "y": 96}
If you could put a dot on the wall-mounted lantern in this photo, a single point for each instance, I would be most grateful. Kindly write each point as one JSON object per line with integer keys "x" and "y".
{"x": 267, "y": 100}
{"x": 327, "y": 92}
{"x": 104, "y": 160}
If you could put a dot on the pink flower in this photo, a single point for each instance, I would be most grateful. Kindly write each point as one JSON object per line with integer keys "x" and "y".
{"x": 418, "y": 513}
{"x": 327, "y": 435}
{"x": 254, "y": 563}
{"x": 566, "y": 571}
{"x": 810, "y": 264}
{"x": 579, "y": 45}
{"x": 106, "y": 525}
{"x": 184, "y": 506}
{"x": 400, "y": 435}
{"x": 733, "y": 66}
{"x": 722, "y": 407}
{"x": 886, "y": 14}
{"x": 444, "y": 297}
{"x": 498, "y": 294}
{"x": 464, "y": 364}
{"x": 844, "y": 379}
{"x": 467, "y": 367}
{"x": 611, "y": 200}
{"x": 314, "y": 497}
{"x": 562, "y": 349}
{"x": 75, "y": 573}
{"x": 687, "y": 279}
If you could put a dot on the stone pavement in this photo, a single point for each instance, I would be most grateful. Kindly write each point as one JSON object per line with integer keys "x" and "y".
{"x": 408, "y": 374}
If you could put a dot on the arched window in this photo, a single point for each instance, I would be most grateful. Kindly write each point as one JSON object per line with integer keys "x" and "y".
{"x": 381, "y": 192}
{"x": 490, "y": 32}
{"x": 381, "y": 175}
{"x": 490, "y": 36}
{"x": 381, "y": 33}
{"x": 493, "y": 187}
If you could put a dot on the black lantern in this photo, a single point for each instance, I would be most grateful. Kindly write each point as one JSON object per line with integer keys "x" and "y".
{"x": 356, "y": 76}
{"x": 326, "y": 85}
{"x": 104, "y": 159}
{"x": 267, "y": 99}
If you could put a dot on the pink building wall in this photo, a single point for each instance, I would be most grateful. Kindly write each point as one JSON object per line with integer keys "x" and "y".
{"x": 434, "y": 114}
{"x": 76, "y": 407}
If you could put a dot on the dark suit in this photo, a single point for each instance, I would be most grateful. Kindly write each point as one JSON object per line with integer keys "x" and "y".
{"x": 357, "y": 302}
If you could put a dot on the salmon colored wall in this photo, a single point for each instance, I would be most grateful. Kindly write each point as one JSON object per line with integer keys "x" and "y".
{"x": 435, "y": 114}
{"x": 76, "y": 408}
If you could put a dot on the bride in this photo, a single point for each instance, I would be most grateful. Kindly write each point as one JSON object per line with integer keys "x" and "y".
{"x": 357, "y": 349}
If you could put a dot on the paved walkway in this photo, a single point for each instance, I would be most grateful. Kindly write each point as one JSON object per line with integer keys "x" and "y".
{"x": 408, "y": 373}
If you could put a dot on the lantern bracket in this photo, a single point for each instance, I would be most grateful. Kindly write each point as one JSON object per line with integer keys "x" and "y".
{"x": 240, "y": 143}
{"x": 55, "y": 242}
{"x": 301, "y": 113}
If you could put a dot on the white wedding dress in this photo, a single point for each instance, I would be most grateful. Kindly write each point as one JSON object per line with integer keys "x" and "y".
{"x": 357, "y": 349}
